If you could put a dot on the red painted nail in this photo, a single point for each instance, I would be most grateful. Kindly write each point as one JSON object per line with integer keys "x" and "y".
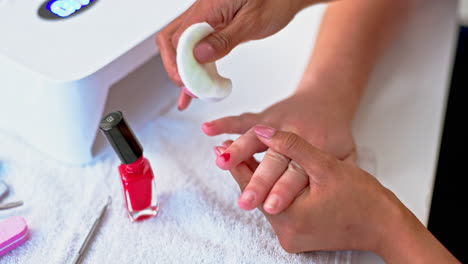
{"x": 264, "y": 131}
{"x": 225, "y": 156}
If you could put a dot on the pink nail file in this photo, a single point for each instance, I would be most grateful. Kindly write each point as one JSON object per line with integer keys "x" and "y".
{"x": 13, "y": 233}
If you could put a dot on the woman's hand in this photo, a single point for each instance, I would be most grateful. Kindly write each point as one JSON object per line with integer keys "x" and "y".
{"x": 235, "y": 21}
{"x": 319, "y": 119}
{"x": 341, "y": 208}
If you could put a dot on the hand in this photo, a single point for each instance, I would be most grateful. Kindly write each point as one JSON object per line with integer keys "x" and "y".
{"x": 342, "y": 208}
{"x": 235, "y": 21}
{"x": 322, "y": 122}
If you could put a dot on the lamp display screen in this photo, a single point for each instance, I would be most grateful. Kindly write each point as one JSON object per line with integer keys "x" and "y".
{"x": 62, "y": 8}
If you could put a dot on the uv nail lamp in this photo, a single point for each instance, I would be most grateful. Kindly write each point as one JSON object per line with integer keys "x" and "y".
{"x": 59, "y": 60}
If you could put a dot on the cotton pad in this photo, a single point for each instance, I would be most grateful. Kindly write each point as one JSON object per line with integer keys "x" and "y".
{"x": 202, "y": 80}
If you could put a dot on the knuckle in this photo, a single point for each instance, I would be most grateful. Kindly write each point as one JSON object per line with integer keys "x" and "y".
{"x": 160, "y": 38}
{"x": 323, "y": 166}
{"x": 259, "y": 183}
{"x": 248, "y": 116}
{"x": 296, "y": 168}
{"x": 273, "y": 155}
{"x": 223, "y": 40}
{"x": 290, "y": 142}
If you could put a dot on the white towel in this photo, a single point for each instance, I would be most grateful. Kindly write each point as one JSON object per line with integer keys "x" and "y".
{"x": 198, "y": 222}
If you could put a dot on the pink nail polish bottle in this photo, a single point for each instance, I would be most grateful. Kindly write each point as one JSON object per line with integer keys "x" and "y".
{"x": 136, "y": 175}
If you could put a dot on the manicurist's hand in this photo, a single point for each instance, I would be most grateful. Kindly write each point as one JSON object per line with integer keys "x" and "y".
{"x": 235, "y": 21}
{"x": 341, "y": 208}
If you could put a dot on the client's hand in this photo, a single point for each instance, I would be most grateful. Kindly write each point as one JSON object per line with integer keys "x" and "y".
{"x": 321, "y": 121}
{"x": 341, "y": 208}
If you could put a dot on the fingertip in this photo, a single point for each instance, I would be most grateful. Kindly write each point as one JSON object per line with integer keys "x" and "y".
{"x": 272, "y": 205}
{"x": 207, "y": 128}
{"x": 184, "y": 101}
{"x": 247, "y": 200}
{"x": 204, "y": 52}
{"x": 223, "y": 161}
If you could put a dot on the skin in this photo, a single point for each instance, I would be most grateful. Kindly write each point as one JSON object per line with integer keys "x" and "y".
{"x": 313, "y": 200}
{"x": 323, "y": 106}
{"x": 229, "y": 18}
{"x": 341, "y": 208}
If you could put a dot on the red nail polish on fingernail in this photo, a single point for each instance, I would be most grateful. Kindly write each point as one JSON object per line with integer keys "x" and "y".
{"x": 264, "y": 131}
{"x": 225, "y": 156}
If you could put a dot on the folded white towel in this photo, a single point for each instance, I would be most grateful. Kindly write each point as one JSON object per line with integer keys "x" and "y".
{"x": 199, "y": 221}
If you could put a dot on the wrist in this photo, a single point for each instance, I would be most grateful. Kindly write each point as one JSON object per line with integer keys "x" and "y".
{"x": 339, "y": 100}
{"x": 404, "y": 239}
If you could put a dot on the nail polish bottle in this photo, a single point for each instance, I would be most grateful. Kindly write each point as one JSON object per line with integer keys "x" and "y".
{"x": 137, "y": 177}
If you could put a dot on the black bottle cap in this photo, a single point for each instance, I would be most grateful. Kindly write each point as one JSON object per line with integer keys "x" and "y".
{"x": 121, "y": 137}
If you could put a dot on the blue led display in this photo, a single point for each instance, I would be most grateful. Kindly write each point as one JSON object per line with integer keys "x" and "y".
{"x": 65, "y": 8}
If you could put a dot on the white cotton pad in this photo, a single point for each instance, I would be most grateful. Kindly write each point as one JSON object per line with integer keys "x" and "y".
{"x": 202, "y": 80}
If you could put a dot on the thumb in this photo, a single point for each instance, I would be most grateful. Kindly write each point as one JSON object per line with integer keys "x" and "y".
{"x": 220, "y": 43}
{"x": 315, "y": 162}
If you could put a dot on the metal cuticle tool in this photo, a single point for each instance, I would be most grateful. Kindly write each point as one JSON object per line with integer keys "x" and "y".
{"x": 92, "y": 232}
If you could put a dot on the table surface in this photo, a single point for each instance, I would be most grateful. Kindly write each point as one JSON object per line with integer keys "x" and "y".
{"x": 402, "y": 112}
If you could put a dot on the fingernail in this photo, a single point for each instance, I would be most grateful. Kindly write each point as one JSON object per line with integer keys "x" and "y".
{"x": 217, "y": 150}
{"x": 225, "y": 156}
{"x": 207, "y": 124}
{"x": 247, "y": 197}
{"x": 226, "y": 144}
{"x": 271, "y": 203}
{"x": 204, "y": 52}
{"x": 264, "y": 131}
{"x": 188, "y": 92}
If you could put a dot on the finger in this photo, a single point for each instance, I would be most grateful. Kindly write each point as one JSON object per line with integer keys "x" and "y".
{"x": 286, "y": 189}
{"x": 167, "y": 50}
{"x": 184, "y": 101}
{"x": 220, "y": 43}
{"x": 231, "y": 124}
{"x": 243, "y": 148}
{"x": 219, "y": 17}
{"x": 242, "y": 174}
{"x": 315, "y": 162}
{"x": 251, "y": 162}
{"x": 268, "y": 172}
